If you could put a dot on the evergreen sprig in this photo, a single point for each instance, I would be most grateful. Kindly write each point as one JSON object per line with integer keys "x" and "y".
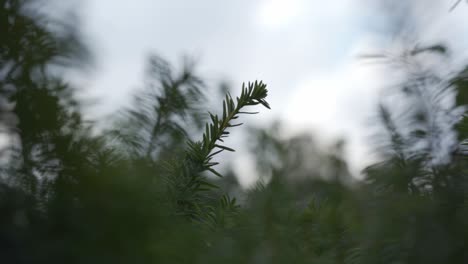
{"x": 204, "y": 151}
{"x": 188, "y": 183}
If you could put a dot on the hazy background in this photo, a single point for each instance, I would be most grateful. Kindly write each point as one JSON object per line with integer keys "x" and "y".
{"x": 306, "y": 51}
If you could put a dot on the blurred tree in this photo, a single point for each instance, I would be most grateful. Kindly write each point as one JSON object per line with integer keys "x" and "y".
{"x": 297, "y": 157}
{"x": 422, "y": 180}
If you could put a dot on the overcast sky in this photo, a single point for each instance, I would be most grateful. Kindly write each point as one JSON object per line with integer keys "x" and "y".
{"x": 305, "y": 50}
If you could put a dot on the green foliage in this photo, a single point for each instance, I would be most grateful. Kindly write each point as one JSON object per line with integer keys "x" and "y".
{"x": 144, "y": 191}
{"x": 162, "y": 112}
{"x": 187, "y": 176}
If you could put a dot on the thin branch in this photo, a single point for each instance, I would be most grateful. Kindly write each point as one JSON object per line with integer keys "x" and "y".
{"x": 455, "y": 5}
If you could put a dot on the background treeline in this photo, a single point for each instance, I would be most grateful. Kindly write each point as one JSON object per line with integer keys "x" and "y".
{"x": 147, "y": 189}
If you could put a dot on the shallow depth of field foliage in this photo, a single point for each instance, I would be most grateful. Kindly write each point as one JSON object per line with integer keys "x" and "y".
{"x": 149, "y": 190}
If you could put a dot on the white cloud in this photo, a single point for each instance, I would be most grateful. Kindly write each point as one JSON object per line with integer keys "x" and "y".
{"x": 278, "y": 13}
{"x": 339, "y": 104}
